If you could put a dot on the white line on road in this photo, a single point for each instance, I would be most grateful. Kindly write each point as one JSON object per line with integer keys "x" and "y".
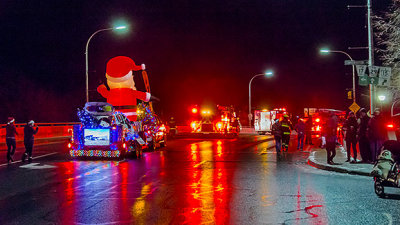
{"x": 37, "y": 157}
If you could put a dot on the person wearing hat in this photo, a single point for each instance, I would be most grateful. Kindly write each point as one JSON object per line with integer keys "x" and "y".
{"x": 11, "y": 131}
{"x": 363, "y": 141}
{"x": 376, "y": 134}
{"x": 350, "y": 128}
{"x": 331, "y": 137}
{"x": 286, "y": 127}
{"x": 301, "y": 130}
{"x": 277, "y": 132}
{"x": 29, "y": 132}
{"x": 122, "y": 93}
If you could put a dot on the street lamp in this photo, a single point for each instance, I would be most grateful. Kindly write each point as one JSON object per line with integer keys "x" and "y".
{"x": 87, "y": 55}
{"x": 267, "y": 74}
{"x": 381, "y": 99}
{"x": 326, "y": 51}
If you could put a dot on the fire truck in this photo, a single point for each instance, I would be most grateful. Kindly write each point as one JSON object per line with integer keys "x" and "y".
{"x": 219, "y": 119}
{"x": 264, "y": 119}
{"x": 320, "y": 116}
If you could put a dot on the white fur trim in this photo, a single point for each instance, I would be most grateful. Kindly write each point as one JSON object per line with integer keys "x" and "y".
{"x": 130, "y": 113}
{"x": 148, "y": 95}
{"x": 120, "y": 79}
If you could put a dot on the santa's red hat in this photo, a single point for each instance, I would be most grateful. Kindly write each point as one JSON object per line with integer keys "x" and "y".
{"x": 10, "y": 120}
{"x": 120, "y": 68}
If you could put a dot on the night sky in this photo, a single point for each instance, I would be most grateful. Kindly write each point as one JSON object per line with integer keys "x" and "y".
{"x": 196, "y": 52}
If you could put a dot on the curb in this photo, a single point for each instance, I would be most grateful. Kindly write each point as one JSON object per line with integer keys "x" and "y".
{"x": 314, "y": 163}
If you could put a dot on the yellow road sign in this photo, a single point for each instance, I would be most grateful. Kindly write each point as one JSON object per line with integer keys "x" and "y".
{"x": 354, "y": 107}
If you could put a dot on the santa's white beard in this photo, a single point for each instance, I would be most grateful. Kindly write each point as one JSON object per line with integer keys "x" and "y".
{"x": 124, "y": 84}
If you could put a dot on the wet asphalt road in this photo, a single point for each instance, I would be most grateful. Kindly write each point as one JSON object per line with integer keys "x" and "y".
{"x": 191, "y": 181}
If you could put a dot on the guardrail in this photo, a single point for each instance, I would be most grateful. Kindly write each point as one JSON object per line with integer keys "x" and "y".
{"x": 46, "y": 130}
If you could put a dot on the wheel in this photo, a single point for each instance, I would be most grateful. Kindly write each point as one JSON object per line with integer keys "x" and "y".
{"x": 379, "y": 189}
{"x": 152, "y": 146}
{"x": 164, "y": 143}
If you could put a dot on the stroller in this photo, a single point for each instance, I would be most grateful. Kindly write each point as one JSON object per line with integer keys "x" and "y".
{"x": 386, "y": 170}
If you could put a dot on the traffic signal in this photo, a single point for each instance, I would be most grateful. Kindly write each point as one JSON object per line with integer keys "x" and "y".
{"x": 349, "y": 95}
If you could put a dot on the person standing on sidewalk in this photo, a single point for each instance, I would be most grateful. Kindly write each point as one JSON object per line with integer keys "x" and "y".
{"x": 331, "y": 137}
{"x": 363, "y": 141}
{"x": 277, "y": 132}
{"x": 350, "y": 128}
{"x": 376, "y": 134}
{"x": 11, "y": 131}
{"x": 29, "y": 131}
{"x": 286, "y": 127}
{"x": 300, "y": 129}
{"x": 308, "y": 131}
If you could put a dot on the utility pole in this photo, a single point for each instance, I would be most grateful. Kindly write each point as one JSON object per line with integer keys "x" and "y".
{"x": 370, "y": 49}
{"x": 370, "y": 54}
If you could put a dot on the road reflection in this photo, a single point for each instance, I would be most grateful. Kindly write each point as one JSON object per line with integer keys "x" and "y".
{"x": 207, "y": 182}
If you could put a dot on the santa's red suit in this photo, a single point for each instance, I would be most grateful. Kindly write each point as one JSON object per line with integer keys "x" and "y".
{"x": 122, "y": 94}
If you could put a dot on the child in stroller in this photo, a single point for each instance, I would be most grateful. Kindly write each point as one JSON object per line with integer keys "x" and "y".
{"x": 386, "y": 169}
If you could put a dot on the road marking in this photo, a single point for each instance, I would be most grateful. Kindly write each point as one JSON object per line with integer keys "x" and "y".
{"x": 36, "y": 166}
{"x": 199, "y": 164}
{"x": 37, "y": 157}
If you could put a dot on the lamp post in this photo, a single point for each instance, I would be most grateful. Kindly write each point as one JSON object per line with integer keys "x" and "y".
{"x": 381, "y": 100}
{"x": 354, "y": 76}
{"x": 267, "y": 74}
{"x": 87, "y": 56}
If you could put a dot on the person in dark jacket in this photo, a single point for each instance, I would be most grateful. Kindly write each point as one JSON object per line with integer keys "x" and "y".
{"x": 331, "y": 137}
{"x": 11, "y": 131}
{"x": 277, "y": 132}
{"x": 363, "y": 141}
{"x": 309, "y": 125}
{"x": 29, "y": 132}
{"x": 300, "y": 129}
{"x": 376, "y": 134}
{"x": 286, "y": 127}
{"x": 350, "y": 128}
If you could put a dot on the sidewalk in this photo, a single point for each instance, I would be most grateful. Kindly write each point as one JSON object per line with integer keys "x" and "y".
{"x": 317, "y": 159}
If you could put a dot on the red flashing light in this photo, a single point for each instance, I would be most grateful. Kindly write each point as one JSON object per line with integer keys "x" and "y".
{"x": 317, "y": 120}
{"x": 194, "y": 110}
{"x": 69, "y": 145}
{"x": 390, "y": 126}
{"x": 124, "y": 145}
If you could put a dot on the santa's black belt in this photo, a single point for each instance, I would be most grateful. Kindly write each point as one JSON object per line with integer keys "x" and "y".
{"x": 125, "y": 107}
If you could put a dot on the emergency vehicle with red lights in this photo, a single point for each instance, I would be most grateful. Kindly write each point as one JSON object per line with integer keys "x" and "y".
{"x": 264, "y": 119}
{"x": 221, "y": 119}
{"x": 320, "y": 116}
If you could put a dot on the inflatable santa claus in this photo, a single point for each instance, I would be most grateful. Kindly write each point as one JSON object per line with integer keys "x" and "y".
{"x": 123, "y": 94}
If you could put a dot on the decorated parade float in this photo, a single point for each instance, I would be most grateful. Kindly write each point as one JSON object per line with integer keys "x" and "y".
{"x": 119, "y": 127}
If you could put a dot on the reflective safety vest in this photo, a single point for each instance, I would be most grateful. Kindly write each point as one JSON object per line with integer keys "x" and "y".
{"x": 285, "y": 127}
